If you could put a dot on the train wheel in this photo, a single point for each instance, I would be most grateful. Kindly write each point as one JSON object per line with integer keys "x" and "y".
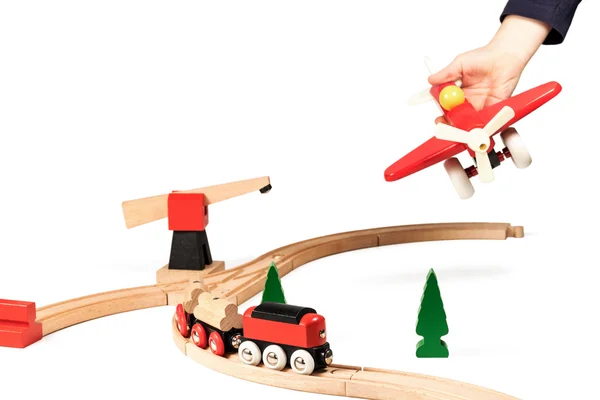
{"x": 216, "y": 344}
{"x": 199, "y": 336}
{"x": 181, "y": 318}
{"x": 302, "y": 362}
{"x": 515, "y": 145}
{"x": 249, "y": 353}
{"x": 274, "y": 357}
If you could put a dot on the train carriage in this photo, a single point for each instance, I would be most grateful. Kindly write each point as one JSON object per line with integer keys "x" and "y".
{"x": 283, "y": 335}
{"x": 205, "y": 328}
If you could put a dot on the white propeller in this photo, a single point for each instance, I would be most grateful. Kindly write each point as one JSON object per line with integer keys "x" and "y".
{"x": 424, "y": 96}
{"x": 431, "y": 65}
{"x": 420, "y": 98}
{"x": 478, "y": 140}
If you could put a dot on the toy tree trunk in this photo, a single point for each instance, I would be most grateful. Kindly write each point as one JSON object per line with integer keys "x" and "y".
{"x": 431, "y": 323}
{"x": 273, "y": 292}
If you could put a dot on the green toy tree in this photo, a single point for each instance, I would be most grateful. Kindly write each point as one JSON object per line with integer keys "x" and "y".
{"x": 431, "y": 323}
{"x": 273, "y": 292}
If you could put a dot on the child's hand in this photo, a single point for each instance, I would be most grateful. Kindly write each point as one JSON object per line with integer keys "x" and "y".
{"x": 490, "y": 73}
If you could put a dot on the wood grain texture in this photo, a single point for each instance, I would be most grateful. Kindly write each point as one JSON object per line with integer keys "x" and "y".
{"x": 149, "y": 209}
{"x": 193, "y": 290}
{"x": 344, "y": 381}
{"x": 72, "y": 312}
{"x": 245, "y": 281}
{"x": 61, "y": 315}
{"x": 166, "y": 275}
{"x": 218, "y": 313}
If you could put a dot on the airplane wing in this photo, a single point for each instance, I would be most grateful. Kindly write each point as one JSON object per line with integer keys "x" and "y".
{"x": 523, "y": 104}
{"x": 429, "y": 153}
{"x": 436, "y": 150}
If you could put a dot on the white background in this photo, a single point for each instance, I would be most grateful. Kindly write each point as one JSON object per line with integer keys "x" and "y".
{"x": 107, "y": 101}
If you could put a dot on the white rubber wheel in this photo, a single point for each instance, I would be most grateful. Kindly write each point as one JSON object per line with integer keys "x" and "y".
{"x": 515, "y": 145}
{"x": 302, "y": 362}
{"x": 274, "y": 357}
{"x": 249, "y": 353}
{"x": 460, "y": 180}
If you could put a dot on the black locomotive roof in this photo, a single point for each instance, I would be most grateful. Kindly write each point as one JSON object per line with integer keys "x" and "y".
{"x": 280, "y": 312}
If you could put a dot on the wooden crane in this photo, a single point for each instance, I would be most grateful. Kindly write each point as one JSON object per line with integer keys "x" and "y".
{"x": 149, "y": 209}
{"x": 187, "y": 212}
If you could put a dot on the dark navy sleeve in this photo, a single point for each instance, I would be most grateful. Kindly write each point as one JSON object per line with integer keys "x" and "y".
{"x": 556, "y": 13}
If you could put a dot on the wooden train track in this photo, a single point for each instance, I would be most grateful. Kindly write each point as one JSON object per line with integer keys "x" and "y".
{"x": 342, "y": 380}
{"x": 242, "y": 283}
{"x": 245, "y": 281}
{"x": 72, "y": 312}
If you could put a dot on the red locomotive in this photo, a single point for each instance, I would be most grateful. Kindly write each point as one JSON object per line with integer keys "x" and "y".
{"x": 281, "y": 335}
{"x": 277, "y": 334}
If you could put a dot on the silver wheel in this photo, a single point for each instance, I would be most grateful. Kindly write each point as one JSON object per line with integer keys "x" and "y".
{"x": 302, "y": 362}
{"x": 274, "y": 357}
{"x": 249, "y": 353}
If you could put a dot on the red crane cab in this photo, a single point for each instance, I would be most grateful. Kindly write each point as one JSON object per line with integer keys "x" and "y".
{"x": 280, "y": 335}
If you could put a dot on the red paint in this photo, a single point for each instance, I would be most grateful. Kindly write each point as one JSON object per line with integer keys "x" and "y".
{"x": 305, "y": 334}
{"x": 187, "y": 211}
{"x": 216, "y": 344}
{"x": 503, "y": 155}
{"x": 199, "y": 336}
{"x": 181, "y": 317}
{"x": 467, "y": 118}
{"x": 524, "y": 103}
{"x": 17, "y": 324}
{"x": 471, "y": 171}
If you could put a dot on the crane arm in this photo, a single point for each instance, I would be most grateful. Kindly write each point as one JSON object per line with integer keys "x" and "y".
{"x": 149, "y": 209}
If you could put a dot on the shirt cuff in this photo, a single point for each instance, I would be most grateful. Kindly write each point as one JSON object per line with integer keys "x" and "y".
{"x": 558, "y": 19}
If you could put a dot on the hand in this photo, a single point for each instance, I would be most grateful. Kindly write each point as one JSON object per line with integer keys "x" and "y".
{"x": 489, "y": 75}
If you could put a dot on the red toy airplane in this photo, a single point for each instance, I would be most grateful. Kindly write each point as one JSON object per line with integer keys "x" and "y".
{"x": 472, "y": 130}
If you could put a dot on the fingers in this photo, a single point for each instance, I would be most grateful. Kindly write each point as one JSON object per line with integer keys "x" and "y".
{"x": 452, "y": 72}
{"x": 441, "y": 120}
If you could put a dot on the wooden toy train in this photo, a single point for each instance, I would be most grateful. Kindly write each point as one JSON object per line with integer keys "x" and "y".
{"x": 279, "y": 335}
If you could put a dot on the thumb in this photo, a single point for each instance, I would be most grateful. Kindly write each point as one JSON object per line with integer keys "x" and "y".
{"x": 441, "y": 120}
{"x": 451, "y": 73}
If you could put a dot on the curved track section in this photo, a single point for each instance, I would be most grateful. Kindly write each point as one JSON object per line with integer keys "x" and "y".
{"x": 342, "y": 380}
{"x": 241, "y": 283}
{"x": 72, "y": 312}
{"x": 245, "y": 281}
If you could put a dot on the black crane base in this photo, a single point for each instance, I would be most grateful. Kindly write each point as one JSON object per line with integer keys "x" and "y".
{"x": 190, "y": 251}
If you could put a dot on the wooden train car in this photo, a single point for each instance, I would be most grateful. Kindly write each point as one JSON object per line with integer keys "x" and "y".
{"x": 214, "y": 322}
{"x": 283, "y": 335}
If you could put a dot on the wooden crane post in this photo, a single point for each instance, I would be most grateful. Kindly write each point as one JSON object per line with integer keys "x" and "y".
{"x": 188, "y": 218}
{"x": 187, "y": 213}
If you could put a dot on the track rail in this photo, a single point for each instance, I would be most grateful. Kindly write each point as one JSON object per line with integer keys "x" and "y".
{"x": 241, "y": 283}
{"x": 342, "y": 380}
{"x": 72, "y": 312}
{"x": 245, "y": 281}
